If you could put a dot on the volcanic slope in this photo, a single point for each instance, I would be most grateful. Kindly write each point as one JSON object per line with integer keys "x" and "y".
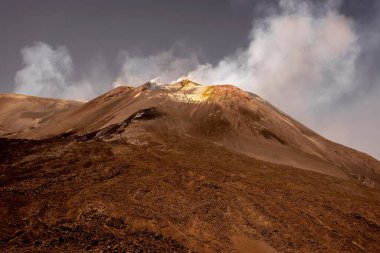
{"x": 222, "y": 114}
{"x": 21, "y": 113}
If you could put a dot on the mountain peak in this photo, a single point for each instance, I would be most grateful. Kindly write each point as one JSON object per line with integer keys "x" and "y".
{"x": 223, "y": 114}
{"x": 187, "y": 82}
{"x": 150, "y": 85}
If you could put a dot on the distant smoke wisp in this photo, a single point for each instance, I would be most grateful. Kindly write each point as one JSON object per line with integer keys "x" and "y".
{"x": 47, "y": 72}
{"x": 164, "y": 67}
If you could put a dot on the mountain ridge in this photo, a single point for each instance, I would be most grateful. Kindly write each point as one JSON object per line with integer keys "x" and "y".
{"x": 222, "y": 114}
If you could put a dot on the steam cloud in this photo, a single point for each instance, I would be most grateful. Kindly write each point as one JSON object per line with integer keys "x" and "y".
{"x": 47, "y": 72}
{"x": 305, "y": 58}
{"x": 292, "y": 58}
{"x": 165, "y": 66}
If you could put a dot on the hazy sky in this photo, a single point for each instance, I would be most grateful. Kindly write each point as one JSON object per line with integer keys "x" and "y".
{"x": 316, "y": 60}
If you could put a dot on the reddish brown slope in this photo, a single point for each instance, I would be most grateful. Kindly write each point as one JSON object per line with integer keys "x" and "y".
{"x": 173, "y": 194}
{"x": 224, "y": 115}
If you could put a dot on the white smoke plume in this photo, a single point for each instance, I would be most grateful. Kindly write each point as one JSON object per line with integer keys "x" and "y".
{"x": 47, "y": 72}
{"x": 292, "y": 58}
{"x": 164, "y": 67}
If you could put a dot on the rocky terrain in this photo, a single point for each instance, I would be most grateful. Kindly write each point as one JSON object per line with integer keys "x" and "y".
{"x": 179, "y": 168}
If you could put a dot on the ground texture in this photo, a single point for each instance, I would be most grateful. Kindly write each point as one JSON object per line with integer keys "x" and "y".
{"x": 182, "y": 195}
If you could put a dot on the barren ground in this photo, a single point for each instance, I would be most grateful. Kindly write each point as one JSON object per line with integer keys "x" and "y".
{"x": 71, "y": 195}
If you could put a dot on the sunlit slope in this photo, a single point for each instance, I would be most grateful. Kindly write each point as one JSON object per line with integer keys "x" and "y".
{"x": 221, "y": 114}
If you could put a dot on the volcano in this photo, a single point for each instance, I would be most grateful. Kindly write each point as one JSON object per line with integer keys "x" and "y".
{"x": 178, "y": 167}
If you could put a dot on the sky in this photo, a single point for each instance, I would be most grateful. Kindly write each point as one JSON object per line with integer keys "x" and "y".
{"x": 316, "y": 60}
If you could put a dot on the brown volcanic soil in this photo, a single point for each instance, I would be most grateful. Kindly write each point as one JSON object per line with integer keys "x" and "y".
{"x": 174, "y": 194}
